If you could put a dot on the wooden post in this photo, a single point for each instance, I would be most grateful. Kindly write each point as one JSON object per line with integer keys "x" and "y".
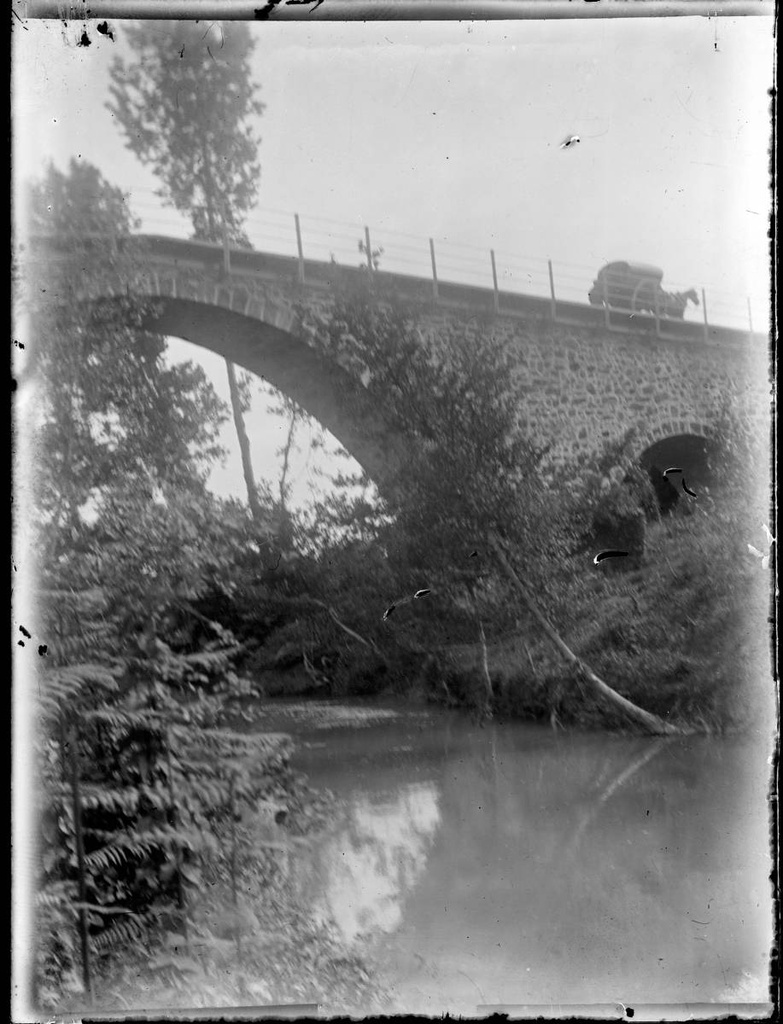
{"x": 495, "y": 280}
{"x": 434, "y": 269}
{"x": 706, "y": 324}
{"x": 606, "y": 303}
{"x": 552, "y": 290}
{"x": 300, "y": 250}
{"x": 750, "y": 317}
{"x": 81, "y": 867}
{"x": 657, "y": 312}
{"x": 368, "y": 249}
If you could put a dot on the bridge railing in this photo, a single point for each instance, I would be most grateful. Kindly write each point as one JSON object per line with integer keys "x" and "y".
{"x": 442, "y": 262}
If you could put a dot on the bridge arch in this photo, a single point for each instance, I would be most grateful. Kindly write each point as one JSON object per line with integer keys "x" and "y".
{"x": 265, "y": 339}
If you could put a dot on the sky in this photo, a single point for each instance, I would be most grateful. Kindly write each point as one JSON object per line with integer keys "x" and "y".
{"x": 453, "y": 131}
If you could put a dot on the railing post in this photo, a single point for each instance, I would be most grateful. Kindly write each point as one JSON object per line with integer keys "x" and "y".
{"x": 299, "y": 249}
{"x": 606, "y": 303}
{"x": 434, "y": 269}
{"x": 657, "y": 312}
{"x": 495, "y": 281}
{"x": 552, "y": 290}
{"x": 750, "y": 317}
{"x": 706, "y": 324}
{"x": 368, "y": 249}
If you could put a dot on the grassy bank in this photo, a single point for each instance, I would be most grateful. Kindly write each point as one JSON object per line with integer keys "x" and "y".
{"x": 683, "y": 633}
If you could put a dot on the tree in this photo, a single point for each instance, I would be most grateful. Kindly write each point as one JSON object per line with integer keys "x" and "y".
{"x": 109, "y": 403}
{"x": 472, "y": 482}
{"x": 186, "y": 105}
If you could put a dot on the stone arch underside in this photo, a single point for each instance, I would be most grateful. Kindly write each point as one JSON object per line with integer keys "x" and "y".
{"x": 319, "y": 385}
{"x": 651, "y": 436}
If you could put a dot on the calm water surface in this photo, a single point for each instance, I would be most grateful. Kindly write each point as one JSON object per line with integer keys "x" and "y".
{"x": 511, "y": 864}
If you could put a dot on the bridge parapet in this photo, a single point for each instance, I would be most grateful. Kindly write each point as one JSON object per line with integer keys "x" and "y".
{"x": 253, "y": 270}
{"x": 249, "y": 279}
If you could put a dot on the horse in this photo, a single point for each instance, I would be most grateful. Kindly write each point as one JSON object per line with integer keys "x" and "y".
{"x": 674, "y": 303}
{"x": 670, "y": 304}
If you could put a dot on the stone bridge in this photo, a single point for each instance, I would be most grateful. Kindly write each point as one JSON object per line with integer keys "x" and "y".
{"x": 586, "y": 375}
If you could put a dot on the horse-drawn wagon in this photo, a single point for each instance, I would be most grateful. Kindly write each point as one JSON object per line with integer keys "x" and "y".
{"x": 637, "y": 288}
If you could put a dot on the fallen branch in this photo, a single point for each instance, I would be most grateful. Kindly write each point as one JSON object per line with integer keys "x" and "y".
{"x": 652, "y": 723}
{"x": 352, "y": 632}
{"x": 530, "y": 659}
{"x": 313, "y": 602}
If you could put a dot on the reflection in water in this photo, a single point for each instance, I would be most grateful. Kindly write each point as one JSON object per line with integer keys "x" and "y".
{"x": 650, "y": 750}
{"x": 376, "y": 858}
{"x": 510, "y": 864}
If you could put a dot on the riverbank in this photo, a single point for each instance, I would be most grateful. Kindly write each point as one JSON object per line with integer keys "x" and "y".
{"x": 679, "y": 633}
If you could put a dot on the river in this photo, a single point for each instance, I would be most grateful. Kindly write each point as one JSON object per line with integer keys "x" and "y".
{"x": 509, "y": 864}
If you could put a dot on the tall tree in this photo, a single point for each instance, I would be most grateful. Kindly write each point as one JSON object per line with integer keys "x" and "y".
{"x": 186, "y": 104}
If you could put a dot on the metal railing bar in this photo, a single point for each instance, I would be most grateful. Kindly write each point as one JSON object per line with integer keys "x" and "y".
{"x": 507, "y": 261}
{"x": 342, "y": 236}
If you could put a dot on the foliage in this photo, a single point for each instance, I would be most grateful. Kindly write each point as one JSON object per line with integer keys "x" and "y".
{"x": 143, "y": 771}
{"x": 162, "y": 771}
{"x": 693, "y": 612}
{"x": 287, "y": 956}
{"x": 186, "y": 104}
{"x": 107, "y": 402}
{"x": 678, "y": 630}
{"x": 469, "y": 469}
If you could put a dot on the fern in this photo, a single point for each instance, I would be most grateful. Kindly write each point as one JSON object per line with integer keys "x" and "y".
{"x": 159, "y": 777}
{"x": 122, "y": 934}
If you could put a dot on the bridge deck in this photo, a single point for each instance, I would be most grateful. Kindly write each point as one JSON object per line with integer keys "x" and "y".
{"x": 318, "y": 275}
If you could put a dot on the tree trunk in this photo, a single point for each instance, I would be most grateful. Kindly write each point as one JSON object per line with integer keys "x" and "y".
{"x": 284, "y": 529}
{"x": 244, "y": 447}
{"x": 652, "y": 723}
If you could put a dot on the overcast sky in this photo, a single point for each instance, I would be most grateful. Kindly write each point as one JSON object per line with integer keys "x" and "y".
{"x": 453, "y": 130}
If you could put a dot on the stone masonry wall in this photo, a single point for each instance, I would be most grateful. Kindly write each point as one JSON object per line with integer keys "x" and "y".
{"x": 582, "y": 387}
{"x": 579, "y": 386}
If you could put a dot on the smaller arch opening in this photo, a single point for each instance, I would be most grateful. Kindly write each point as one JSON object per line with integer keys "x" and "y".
{"x": 696, "y": 456}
